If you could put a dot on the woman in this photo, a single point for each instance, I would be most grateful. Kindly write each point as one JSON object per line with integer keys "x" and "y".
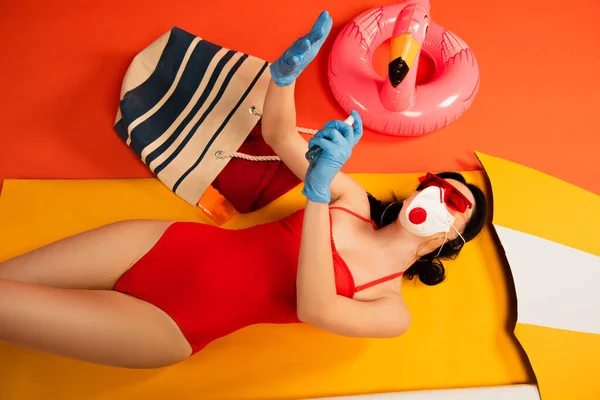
{"x": 146, "y": 294}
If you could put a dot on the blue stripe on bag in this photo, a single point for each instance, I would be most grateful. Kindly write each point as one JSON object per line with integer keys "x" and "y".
{"x": 121, "y": 129}
{"x": 138, "y": 101}
{"x": 151, "y": 129}
{"x": 218, "y": 132}
{"x": 189, "y": 136}
{"x": 205, "y": 94}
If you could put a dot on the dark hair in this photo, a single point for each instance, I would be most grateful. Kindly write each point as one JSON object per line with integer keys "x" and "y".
{"x": 429, "y": 268}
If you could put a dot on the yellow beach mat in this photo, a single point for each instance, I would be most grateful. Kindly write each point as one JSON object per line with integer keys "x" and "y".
{"x": 549, "y": 230}
{"x": 459, "y": 336}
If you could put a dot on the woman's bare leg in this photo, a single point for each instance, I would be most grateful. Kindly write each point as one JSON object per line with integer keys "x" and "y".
{"x": 44, "y": 304}
{"x": 99, "y": 326}
{"x": 90, "y": 260}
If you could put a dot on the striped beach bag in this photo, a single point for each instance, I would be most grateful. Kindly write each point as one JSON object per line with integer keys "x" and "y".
{"x": 184, "y": 100}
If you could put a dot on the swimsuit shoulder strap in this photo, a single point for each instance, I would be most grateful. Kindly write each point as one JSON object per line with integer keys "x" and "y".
{"x": 354, "y": 214}
{"x": 378, "y": 281}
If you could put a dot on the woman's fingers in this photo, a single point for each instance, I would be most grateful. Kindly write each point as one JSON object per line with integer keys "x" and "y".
{"x": 343, "y": 128}
{"x": 327, "y": 145}
{"x": 333, "y": 135}
{"x": 302, "y": 47}
{"x": 352, "y": 133}
{"x": 291, "y": 59}
{"x": 321, "y": 27}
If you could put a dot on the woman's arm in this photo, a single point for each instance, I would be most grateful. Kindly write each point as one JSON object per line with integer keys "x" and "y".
{"x": 279, "y": 132}
{"x": 318, "y": 303}
{"x": 317, "y": 300}
{"x": 315, "y": 280}
{"x": 279, "y": 110}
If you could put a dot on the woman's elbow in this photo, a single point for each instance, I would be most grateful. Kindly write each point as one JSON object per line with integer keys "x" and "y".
{"x": 268, "y": 137}
{"x": 399, "y": 327}
{"x": 275, "y": 132}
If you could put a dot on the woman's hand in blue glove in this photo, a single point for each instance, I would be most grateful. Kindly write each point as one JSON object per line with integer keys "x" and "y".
{"x": 288, "y": 67}
{"x": 336, "y": 139}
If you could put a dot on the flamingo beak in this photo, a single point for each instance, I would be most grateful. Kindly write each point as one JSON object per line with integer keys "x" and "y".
{"x": 404, "y": 50}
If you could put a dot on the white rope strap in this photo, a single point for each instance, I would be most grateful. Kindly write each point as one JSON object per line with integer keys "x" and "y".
{"x": 306, "y": 130}
{"x": 221, "y": 155}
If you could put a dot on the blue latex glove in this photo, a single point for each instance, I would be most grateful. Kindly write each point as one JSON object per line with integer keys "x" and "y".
{"x": 288, "y": 67}
{"x": 336, "y": 139}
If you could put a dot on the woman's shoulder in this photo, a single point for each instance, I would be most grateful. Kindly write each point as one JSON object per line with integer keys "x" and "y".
{"x": 390, "y": 290}
{"x": 358, "y": 204}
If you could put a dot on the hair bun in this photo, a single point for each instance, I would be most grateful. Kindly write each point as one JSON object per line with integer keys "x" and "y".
{"x": 432, "y": 272}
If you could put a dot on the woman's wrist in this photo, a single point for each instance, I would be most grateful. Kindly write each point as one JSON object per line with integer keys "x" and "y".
{"x": 316, "y": 204}
{"x": 318, "y": 194}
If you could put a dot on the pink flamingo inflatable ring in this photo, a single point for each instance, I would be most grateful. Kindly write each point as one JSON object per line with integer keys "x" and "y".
{"x": 398, "y": 105}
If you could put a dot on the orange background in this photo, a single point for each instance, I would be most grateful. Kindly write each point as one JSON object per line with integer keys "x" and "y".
{"x": 63, "y": 62}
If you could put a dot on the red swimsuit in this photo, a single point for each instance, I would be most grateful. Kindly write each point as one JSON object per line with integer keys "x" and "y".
{"x": 214, "y": 281}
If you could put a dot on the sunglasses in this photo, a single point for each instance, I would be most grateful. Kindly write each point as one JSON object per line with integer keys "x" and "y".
{"x": 453, "y": 198}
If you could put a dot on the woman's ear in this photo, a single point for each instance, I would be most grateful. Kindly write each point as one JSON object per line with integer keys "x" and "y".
{"x": 430, "y": 246}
